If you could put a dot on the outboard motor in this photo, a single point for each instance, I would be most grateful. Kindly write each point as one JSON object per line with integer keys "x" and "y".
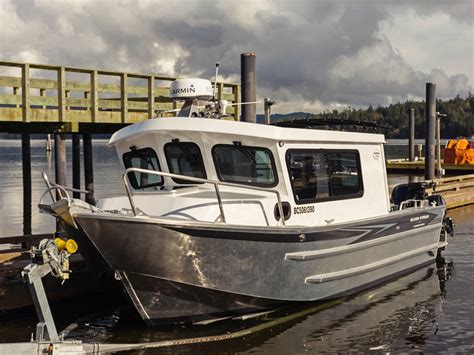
{"x": 410, "y": 191}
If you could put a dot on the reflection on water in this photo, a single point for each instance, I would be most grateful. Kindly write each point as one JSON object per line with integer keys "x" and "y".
{"x": 400, "y": 315}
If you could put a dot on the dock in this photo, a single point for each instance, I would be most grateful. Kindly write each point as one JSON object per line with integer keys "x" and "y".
{"x": 41, "y": 98}
{"x": 402, "y": 166}
{"x": 457, "y": 191}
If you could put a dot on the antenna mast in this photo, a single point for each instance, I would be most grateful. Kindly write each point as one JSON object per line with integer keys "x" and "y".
{"x": 215, "y": 81}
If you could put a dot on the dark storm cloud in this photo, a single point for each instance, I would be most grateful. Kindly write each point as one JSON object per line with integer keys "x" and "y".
{"x": 316, "y": 53}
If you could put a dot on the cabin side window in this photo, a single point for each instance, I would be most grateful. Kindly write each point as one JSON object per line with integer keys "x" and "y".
{"x": 144, "y": 159}
{"x": 185, "y": 158}
{"x": 245, "y": 164}
{"x": 324, "y": 175}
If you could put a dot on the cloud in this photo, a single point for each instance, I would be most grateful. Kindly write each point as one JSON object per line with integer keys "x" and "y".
{"x": 310, "y": 54}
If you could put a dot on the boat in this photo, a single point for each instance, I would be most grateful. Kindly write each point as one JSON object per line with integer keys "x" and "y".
{"x": 222, "y": 218}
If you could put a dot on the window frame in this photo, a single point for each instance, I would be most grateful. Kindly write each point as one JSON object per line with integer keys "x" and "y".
{"x": 272, "y": 160}
{"x": 329, "y": 198}
{"x": 183, "y": 181}
{"x": 133, "y": 181}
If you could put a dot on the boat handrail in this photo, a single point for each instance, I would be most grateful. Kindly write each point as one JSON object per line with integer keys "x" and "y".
{"x": 200, "y": 180}
{"x": 60, "y": 189}
{"x": 50, "y": 188}
{"x": 416, "y": 204}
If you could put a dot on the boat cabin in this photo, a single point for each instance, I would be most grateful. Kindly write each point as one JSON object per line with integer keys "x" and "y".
{"x": 321, "y": 177}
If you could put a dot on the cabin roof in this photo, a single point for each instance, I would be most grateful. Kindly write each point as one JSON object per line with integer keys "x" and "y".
{"x": 243, "y": 129}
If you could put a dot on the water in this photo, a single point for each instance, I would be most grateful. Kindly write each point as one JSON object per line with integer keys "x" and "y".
{"x": 428, "y": 311}
{"x": 107, "y": 175}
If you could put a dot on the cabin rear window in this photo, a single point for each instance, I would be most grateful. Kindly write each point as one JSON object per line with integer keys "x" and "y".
{"x": 245, "y": 164}
{"x": 185, "y": 158}
{"x": 144, "y": 159}
{"x": 324, "y": 175}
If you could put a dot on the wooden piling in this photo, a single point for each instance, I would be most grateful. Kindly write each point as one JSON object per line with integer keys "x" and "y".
{"x": 60, "y": 158}
{"x": 438, "y": 146}
{"x": 151, "y": 97}
{"x": 249, "y": 93}
{"x": 59, "y": 165}
{"x": 25, "y": 93}
{"x": 88, "y": 167}
{"x": 124, "y": 97}
{"x": 76, "y": 164}
{"x": 430, "y": 118}
{"x": 26, "y": 165}
{"x": 411, "y": 141}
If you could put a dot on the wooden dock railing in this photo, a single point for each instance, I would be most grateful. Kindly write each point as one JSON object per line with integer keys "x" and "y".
{"x": 130, "y": 97}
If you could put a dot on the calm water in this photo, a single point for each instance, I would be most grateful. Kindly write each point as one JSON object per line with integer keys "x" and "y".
{"x": 427, "y": 311}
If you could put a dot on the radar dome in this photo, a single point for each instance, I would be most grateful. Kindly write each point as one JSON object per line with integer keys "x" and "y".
{"x": 185, "y": 89}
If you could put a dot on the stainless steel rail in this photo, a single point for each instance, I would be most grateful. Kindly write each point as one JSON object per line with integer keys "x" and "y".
{"x": 199, "y": 180}
{"x": 406, "y": 204}
{"x": 60, "y": 189}
{"x": 52, "y": 186}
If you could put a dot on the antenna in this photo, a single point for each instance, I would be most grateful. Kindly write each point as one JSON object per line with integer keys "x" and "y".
{"x": 215, "y": 81}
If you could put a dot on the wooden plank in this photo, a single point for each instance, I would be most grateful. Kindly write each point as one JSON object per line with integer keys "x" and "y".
{"x": 9, "y": 256}
{"x": 7, "y": 99}
{"x": 94, "y": 96}
{"x": 49, "y": 84}
{"x": 459, "y": 199}
{"x": 456, "y": 186}
{"x": 61, "y": 94}
{"x": 151, "y": 96}
{"x": 5, "y": 63}
{"x": 220, "y": 91}
{"x": 25, "y": 92}
{"x": 454, "y": 178}
{"x": 124, "y": 97}
{"x": 10, "y": 81}
{"x": 235, "y": 93}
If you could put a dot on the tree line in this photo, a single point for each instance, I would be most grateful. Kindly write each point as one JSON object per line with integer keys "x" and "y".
{"x": 459, "y": 120}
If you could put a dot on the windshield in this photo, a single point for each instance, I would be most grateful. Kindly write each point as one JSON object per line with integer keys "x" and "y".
{"x": 245, "y": 164}
{"x": 185, "y": 158}
{"x": 144, "y": 159}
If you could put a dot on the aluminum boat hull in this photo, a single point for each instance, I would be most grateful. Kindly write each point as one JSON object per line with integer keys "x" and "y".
{"x": 177, "y": 270}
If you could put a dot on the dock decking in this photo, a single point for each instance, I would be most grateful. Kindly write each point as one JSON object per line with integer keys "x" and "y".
{"x": 413, "y": 167}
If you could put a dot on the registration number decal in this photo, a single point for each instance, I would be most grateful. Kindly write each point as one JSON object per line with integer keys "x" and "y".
{"x": 303, "y": 209}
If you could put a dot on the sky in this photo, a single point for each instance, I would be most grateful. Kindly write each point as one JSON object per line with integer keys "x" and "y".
{"x": 312, "y": 55}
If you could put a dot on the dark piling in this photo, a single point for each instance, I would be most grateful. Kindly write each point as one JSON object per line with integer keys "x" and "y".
{"x": 411, "y": 146}
{"x": 430, "y": 122}
{"x": 88, "y": 167}
{"x": 26, "y": 166}
{"x": 248, "y": 86}
{"x": 76, "y": 164}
